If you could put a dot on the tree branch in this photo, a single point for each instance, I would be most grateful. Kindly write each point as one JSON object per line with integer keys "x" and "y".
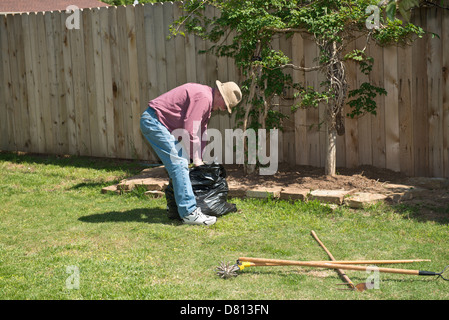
{"x": 429, "y": 3}
{"x": 295, "y": 67}
{"x": 285, "y": 30}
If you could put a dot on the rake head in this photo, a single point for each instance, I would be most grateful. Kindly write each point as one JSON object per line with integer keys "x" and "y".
{"x": 227, "y": 270}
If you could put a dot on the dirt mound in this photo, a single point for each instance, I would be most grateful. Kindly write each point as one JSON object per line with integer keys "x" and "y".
{"x": 363, "y": 179}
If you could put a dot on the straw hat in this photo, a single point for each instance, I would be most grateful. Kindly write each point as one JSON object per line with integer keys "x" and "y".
{"x": 231, "y": 93}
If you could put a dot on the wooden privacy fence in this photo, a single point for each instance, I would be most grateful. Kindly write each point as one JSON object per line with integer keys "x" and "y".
{"x": 82, "y": 91}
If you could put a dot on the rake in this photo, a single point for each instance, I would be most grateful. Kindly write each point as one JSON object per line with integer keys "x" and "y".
{"x": 226, "y": 270}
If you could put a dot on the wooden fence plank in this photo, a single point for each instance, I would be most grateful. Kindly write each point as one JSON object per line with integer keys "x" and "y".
{"x": 99, "y": 102}
{"x": 134, "y": 112}
{"x": 391, "y": 110}
{"x": 83, "y": 146}
{"x": 14, "y": 111}
{"x": 406, "y": 155}
{"x": 53, "y": 116}
{"x": 36, "y": 107}
{"x": 15, "y": 47}
{"x": 435, "y": 94}
{"x": 5, "y": 84}
{"x": 3, "y": 118}
{"x": 28, "y": 51}
{"x": 170, "y": 49}
{"x": 445, "y": 79}
{"x": 141, "y": 37}
{"x": 60, "y": 107}
{"x": 23, "y": 120}
{"x": 91, "y": 83}
{"x": 152, "y": 90}
{"x": 201, "y": 61}
{"x": 190, "y": 48}
{"x": 420, "y": 87}
{"x": 67, "y": 78}
{"x": 190, "y": 53}
{"x": 125, "y": 75}
{"x": 64, "y": 86}
{"x": 117, "y": 90}
{"x": 180, "y": 55}
{"x": 44, "y": 94}
{"x": 210, "y": 68}
{"x": 161, "y": 62}
{"x": 378, "y": 121}
{"x": 106, "y": 60}
{"x": 151, "y": 51}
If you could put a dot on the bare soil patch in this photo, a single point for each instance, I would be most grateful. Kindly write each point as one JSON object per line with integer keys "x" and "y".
{"x": 362, "y": 179}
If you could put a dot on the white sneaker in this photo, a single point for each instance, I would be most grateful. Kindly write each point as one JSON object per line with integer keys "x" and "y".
{"x": 197, "y": 217}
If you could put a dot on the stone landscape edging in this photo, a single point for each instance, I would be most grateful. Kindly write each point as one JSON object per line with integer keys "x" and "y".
{"x": 156, "y": 184}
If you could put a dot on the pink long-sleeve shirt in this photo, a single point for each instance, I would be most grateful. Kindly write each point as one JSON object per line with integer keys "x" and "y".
{"x": 188, "y": 107}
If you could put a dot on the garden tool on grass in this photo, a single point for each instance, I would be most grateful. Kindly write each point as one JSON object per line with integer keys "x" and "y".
{"x": 279, "y": 262}
{"x": 225, "y": 270}
{"x": 358, "y": 287}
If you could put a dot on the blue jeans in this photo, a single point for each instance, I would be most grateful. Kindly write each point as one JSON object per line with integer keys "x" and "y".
{"x": 164, "y": 144}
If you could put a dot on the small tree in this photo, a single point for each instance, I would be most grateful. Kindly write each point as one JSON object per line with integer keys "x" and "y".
{"x": 332, "y": 24}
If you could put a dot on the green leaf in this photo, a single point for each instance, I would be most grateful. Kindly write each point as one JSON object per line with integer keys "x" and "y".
{"x": 406, "y": 14}
{"x": 391, "y": 10}
{"x": 405, "y": 6}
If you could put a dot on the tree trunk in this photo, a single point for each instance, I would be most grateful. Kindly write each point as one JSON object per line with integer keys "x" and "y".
{"x": 331, "y": 154}
{"x": 337, "y": 85}
{"x": 256, "y": 73}
{"x": 249, "y": 169}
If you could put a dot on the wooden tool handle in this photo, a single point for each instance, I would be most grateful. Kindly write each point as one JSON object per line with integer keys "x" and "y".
{"x": 327, "y": 265}
{"x": 276, "y": 262}
{"x": 340, "y": 272}
{"x": 322, "y": 245}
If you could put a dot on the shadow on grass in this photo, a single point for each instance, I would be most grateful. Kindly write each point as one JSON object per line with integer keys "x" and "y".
{"x": 145, "y": 215}
{"x": 107, "y": 164}
{"x": 424, "y": 212}
{"x": 94, "y": 185}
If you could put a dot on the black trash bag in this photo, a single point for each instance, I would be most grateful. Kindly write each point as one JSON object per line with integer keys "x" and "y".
{"x": 210, "y": 188}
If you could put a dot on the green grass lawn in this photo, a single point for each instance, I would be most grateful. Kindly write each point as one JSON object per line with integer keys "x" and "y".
{"x": 54, "y": 220}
